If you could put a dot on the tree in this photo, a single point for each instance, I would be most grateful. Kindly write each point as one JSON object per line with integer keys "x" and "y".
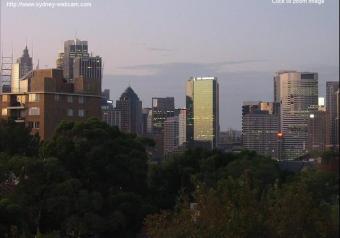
{"x": 16, "y": 139}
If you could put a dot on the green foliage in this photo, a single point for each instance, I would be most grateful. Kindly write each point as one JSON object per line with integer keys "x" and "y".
{"x": 16, "y": 139}
{"x": 91, "y": 180}
{"x": 239, "y": 207}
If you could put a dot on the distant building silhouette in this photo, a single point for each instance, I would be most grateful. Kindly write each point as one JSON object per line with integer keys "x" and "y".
{"x": 332, "y": 107}
{"x": 130, "y": 108}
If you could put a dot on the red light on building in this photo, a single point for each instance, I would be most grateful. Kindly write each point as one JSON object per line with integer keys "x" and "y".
{"x": 279, "y": 135}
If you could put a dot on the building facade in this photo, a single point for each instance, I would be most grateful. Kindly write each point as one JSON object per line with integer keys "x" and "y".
{"x": 332, "y": 107}
{"x": 260, "y": 128}
{"x": 297, "y": 94}
{"x": 72, "y": 49}
{"x": 318, "y": 133}
{"x": 202, "y": 104}
{"x": 45, "y": 99}
{"x": 130, "y": 108}
{"x": 23, "y": 66}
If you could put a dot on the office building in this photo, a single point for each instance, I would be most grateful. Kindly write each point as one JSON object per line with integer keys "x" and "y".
{"x": 130, "y": 108}
{"x": 147, "y": 122}
{"x": 337, "y": 121}
{"x": 181, "y": 113}
{"x": 45, "y": 99}
{"x": 202, "y": 104}
{"x": 317, "y": 128}
{"x": 60, "y": 60}
{"x": 110, "y": 115}
{"x": 162, "y": 108}
{"x": 297, "y": 94}
{"x": 332, "y": 106}
{"x": 171, "y": 134}
{"x": 72, "y": 49}
{"x": 87, "y": 74}
{"x": 260, "y": 128}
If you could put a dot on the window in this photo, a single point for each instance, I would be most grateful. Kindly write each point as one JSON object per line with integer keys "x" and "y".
{"x": 33, "y": 97}
{"x": 4, "y": 112}
{"x": 57, "y": 97}
{"x": 81, "y": 100}
{"x": 34, "y": 111}
{"x": 70, "y": 112}
{"x": 69, "y": 99}
{"x": 81, "y": 113}
{"x": 5, "y": 98}
{"x": 34, "y": 124}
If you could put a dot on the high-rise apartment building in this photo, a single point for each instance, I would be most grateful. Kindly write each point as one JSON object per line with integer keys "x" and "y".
{"x": 45, "y": 99}
{"x": 130, "y": 108}
{"x": 260, "y": 128}
{"x": 297, "y": 94}
{"x": 202, "y": 104}
{"x": 332, "y": 107}
{"x": 23, "y": 66}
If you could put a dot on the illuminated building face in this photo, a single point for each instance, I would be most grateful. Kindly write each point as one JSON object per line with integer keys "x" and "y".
{"x": 202, "y": 106}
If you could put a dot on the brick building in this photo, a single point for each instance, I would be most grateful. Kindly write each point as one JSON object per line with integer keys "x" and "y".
{"x": 45, "y": 99}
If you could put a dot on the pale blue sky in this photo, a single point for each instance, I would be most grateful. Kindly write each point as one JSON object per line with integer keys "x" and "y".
{"x": 156, "y": 45}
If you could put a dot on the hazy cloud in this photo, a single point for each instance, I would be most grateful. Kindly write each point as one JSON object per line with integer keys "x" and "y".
{"x": 160, "y": 49}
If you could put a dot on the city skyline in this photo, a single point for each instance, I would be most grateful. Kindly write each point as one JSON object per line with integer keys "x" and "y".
{"x": 133, "y": 54}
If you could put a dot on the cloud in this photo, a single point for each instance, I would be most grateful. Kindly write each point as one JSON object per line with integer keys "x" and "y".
{"x": 216, "y": 66}
{"x": 164, "y": 50}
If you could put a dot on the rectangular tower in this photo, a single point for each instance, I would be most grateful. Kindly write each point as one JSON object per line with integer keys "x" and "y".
{"x": 202, "y": 102}
{"x": 331, "y": 106}
{"x": 297, "y": 94}
{"x": 260, "y": 128}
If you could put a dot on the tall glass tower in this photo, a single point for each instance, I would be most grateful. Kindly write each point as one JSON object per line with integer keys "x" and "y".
{"x": 202, "y": 102}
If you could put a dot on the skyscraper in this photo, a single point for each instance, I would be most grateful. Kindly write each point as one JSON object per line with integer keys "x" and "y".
{"x": 171, "y": 134}
{"x": 23, "y": 65}
{"x": 110, "y": 115}
{"x": 147, "y": 122}
{"x": 162, "y": 108}
{"x": 72, "y": 49}
{"x": 331, "y": 106}
{"x": 318, "y": 134}
{"x": 260, "y": 127}
{"x": 297, "y": 94}
{"x": 87, "y": 74}
{"x": 202, "y": 102}
{"x": 130, "y": 108}
{"x": 337, "y": 121}
{"x": 181, "y": 113}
